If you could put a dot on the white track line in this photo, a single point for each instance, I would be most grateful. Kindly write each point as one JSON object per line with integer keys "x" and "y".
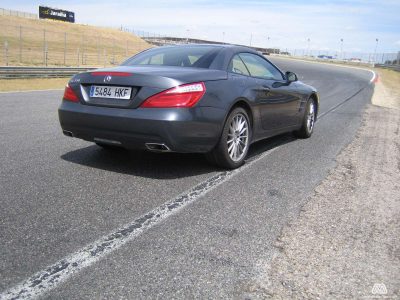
{"x": 55, "y": 274}
{"x": 374, "y": 77}
{"x": 45, "y": 280}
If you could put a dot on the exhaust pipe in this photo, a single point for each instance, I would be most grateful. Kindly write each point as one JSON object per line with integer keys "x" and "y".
{"x": 155, "y": 147}
{"x": 107, "y": 141}
{"x": 68, "y": 133}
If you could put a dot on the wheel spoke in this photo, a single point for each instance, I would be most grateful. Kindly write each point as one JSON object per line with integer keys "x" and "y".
{"x": 231, "y": 153}
{"x": 234, "y": 151}
{"x": 240, "y": 125}
{"x": 231, "y": 147}
{"x": 236, "y": 123}
{"x": 240, "y": 147}
{"x": 243, "y": 130}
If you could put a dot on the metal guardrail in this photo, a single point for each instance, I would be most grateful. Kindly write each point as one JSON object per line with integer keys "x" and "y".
{"x": 59, "y": 72}
{"x": 39, "y": 72}
{"x": 391, "y": 67}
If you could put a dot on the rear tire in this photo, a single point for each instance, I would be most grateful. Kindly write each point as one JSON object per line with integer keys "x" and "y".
{"x": 307, "y": 126}
{"x": 231, "y": 149}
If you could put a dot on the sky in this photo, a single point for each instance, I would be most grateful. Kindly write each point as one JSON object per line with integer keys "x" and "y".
{"x": 311, "y": 24}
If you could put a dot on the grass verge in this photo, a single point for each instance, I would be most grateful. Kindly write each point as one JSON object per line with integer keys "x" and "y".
{"x": 386, "y": 89}
{"x": 11, "y": 85}
{"x": 391, "y": 79}
{"x": 35, "y": 42}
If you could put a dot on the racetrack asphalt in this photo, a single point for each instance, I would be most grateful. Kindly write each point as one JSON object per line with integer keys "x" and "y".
{"x": 60, "y": 194}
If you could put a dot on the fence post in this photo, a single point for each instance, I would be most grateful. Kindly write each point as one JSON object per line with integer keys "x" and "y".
{"x": 65, "y": 48}
{"x": 46, "y": 53}
{"x": 113, "y": 52}
{"x": 83, "y": 48}
{"x": 44, "y": 46}
{"x": 6, "y": 52}
{"x": 78, "y": 58}
{"x": 98, "y": 51}
{"x": 20, "y": 44}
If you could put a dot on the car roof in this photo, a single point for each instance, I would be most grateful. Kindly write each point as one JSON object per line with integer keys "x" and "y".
{"x": 234, "y": 48}
{"x": 223, "y": 58}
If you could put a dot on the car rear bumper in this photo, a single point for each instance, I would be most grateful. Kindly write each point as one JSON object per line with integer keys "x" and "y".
{"x": 181, "y": 130}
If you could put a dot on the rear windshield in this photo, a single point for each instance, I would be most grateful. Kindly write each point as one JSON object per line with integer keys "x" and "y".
{"x": 181, "y": 56}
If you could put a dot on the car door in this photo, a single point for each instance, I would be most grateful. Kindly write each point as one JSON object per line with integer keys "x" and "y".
{"x": 278, "y": 100}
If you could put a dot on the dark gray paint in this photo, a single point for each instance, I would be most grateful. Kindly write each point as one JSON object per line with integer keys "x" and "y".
{"x": 275, "y": 106}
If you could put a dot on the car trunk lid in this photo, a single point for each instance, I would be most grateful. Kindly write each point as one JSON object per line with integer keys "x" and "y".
{"x": 128, "y": 87}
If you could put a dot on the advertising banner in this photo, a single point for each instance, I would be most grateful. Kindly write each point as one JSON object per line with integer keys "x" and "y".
{"x": 56, "y": 14}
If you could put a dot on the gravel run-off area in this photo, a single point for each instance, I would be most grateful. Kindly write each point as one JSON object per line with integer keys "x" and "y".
{"x": 345, "y": 244}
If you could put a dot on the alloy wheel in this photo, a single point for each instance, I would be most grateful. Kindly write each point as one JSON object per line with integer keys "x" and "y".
{"x": 311, "y": 116}
{"x": 238, "y": 137}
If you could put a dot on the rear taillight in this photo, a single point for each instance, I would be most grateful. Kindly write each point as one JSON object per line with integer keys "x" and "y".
{"x": 70, "y": 95}
{"x": 186, "y": 95}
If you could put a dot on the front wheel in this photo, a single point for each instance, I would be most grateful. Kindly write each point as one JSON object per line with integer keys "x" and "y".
{"x": 232, "y": 148}
{"x": 308, "y": 123}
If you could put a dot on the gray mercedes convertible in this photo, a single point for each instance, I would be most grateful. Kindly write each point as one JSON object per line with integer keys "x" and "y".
{"x": 212, "y": 99}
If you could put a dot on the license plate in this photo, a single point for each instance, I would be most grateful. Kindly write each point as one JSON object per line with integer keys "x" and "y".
{"x": 114, "y": 92}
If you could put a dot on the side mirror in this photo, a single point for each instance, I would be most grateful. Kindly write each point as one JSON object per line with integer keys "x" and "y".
{"x": 290, "y": 76}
